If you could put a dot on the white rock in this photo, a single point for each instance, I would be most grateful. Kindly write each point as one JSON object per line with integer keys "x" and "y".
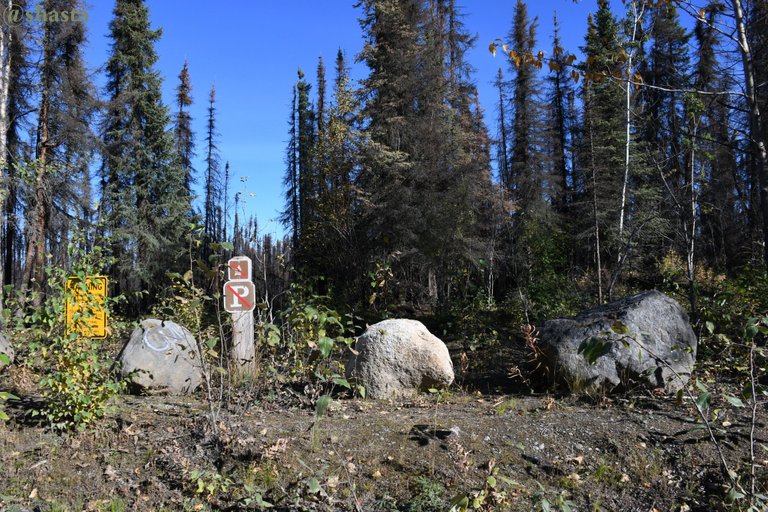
{"x": 161, "y": 357}
{"x": 397, "y": 357}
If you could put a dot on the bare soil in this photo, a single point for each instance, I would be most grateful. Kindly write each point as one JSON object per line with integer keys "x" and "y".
{"x": 624, "y": 453}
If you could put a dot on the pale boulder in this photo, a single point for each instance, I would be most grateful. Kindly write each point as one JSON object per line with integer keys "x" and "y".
{"x": 161, "y": 357}
{"x": 397, "y": 358}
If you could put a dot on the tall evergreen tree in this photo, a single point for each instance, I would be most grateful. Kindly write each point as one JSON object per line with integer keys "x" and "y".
{"x": 307, "y": 176}
{"x": 602, "y": 140}
{"x": 184, "y": 136}
{"x": 391, "y": 53}
{"x": 290, "y": 216}
{"x": 664, "y": 131}
{"x": 143, "y": 198}
{"x": 213, "y": 180}
{"x": 425, "y": 156}
{"x": 64, "y": 140}
{"x": 559, "y": 133}
{"x": 18, "y": 74}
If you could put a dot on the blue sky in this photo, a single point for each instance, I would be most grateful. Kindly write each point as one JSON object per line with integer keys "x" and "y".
{"x": 252, "y": 49}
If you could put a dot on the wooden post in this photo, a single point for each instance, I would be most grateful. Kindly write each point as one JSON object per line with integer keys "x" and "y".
{"x": 239, "y": 300}
{"x": 243, "y": 352}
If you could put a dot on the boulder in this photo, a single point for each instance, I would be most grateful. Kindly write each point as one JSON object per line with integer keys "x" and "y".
{"x": 645, "y": 339}
{"x": 397, "y": 358}
{"x": 6, "y": 348}
{"x": 161, "y": 357}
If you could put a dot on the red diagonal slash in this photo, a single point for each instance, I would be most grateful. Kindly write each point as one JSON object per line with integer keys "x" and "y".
{"x": 247, "y": 304}
{"x": 238, "y": 270}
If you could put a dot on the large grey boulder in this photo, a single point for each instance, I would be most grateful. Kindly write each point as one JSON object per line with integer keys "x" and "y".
{"x": 398, "y": 357}
{"x": 635, "y": 340}
{"x": 6, "y": 348}
{"x": 161, "y": 357}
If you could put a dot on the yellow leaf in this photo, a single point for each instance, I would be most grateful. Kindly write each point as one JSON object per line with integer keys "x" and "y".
{"x": 504, "y": 47}
{"x": 492, "y": 48}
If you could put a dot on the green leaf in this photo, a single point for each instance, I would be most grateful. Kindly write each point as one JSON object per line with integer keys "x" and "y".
{"x": 227, "y": 246}
{"x": 734, "y": 495}
{"x": 735, "y": 401}
{"x": 313, "y": 486}
{"x": 322, "y": 404}
{"x": 710, "y": 327}
{"x": 259, "y": 501}
{"x": 751, "y": 330}
{"x": 594, "y": 348}
{"x": 703, "y": 400}
{"x": 4, "y": 359}
{"x": 342, "y": 382}
{"x": 3, "y": 416}
{"x": 620, "y": 328}
{"x": 460, "y": 503}
{"x": 361, "y": 390}
{"x": 491, "y": 481}
{"x": 326, "y": 346}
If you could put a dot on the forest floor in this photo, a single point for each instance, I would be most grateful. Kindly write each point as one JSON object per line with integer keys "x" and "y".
{"x": 635, "y": 452}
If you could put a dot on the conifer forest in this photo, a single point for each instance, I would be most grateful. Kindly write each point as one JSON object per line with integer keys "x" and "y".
{"x": 633, "y": 162}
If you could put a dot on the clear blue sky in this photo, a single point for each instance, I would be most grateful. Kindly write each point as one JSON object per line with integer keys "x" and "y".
{"x": 252, "y": 49}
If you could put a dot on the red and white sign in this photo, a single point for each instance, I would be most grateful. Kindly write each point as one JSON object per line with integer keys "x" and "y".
{"x": 239, "y": 296}
{"x": 239, "y": 268}
{"x": 239, "y": 291}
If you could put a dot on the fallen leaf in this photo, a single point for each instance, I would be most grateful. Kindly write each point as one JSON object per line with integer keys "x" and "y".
{"x": 33, "y": 494}
{"x": 110, "y": 473}
{"x": 624, "y": 478}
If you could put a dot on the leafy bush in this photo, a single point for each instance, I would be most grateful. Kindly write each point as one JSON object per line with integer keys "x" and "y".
{"x": 76, "y": 381}
{"x": 4, "y": 395}
{"x": 311, "y": 343}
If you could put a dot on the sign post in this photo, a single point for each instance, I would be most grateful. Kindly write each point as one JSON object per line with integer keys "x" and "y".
{"x": 239, "y": 301}
{"x": 87, "y": 317}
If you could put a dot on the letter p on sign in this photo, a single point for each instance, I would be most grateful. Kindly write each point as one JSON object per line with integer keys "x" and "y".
{"x": 239, "y": 296}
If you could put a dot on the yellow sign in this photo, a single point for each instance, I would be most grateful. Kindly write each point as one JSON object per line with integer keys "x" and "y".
{"x": 87, "y": 317}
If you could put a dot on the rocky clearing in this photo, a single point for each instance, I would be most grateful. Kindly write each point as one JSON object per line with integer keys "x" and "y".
{"x": 639, "y": 453}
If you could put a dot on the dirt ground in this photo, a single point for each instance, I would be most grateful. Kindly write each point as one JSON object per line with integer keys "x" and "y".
{"x": 627, "y": 453}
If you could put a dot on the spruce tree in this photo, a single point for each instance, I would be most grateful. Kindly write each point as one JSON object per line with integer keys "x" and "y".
{"x": 143, "y": 197}
{"x": 19, "y": 88}
{"x": 290, "y": 216}
{"x": 601, "y": 142}
{"x": 559, "y": 132}
{"x": 64, "y": 142}
{"x": 213, "y": 180}
{"x": 184, "y": 136}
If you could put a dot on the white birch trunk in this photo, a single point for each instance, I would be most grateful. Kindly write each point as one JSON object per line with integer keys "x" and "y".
{"x": 5, "y": 71}
{"x": 637, "y": 18}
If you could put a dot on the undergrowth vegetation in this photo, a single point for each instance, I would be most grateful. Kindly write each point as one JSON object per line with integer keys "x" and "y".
{"x": 304, "y": 339}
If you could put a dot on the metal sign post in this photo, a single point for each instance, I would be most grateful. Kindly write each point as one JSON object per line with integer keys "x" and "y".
{"x": 240, "y": 300}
